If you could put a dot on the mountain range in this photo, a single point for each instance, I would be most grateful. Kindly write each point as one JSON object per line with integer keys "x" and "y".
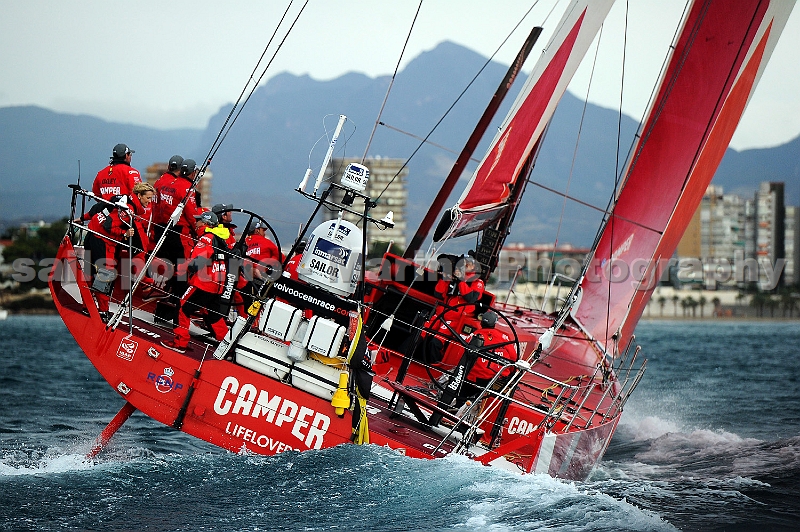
{"x": 282, "y": 130}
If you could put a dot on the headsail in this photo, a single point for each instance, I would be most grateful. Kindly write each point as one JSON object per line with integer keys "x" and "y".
{"x": 717, "y": 60}
{"x": 487, "y": 194}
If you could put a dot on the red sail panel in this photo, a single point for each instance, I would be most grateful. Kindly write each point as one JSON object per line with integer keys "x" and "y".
{"x": 715, "y": 66}
{"x": 488, "y": 190}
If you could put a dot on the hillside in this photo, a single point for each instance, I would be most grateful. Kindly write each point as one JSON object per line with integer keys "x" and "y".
{"x": 265, "y": 155}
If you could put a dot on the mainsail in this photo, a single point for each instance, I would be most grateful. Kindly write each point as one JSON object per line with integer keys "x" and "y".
{"x": 488, "y": 192}
{"x": 717, "y": 60}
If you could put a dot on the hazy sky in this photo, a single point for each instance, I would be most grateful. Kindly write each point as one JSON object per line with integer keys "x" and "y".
{"x": 173, "y": 64}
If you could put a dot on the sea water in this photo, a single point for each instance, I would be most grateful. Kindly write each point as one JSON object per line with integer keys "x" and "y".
{"x": 709, "y": 441}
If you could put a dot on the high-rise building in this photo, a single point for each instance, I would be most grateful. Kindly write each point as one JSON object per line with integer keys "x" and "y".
{"x": 792, "y": 246}
{"x": 388, "y": 187}
{"x": 751, "y": 236}
{"x": 770, "y": 217}
{"x": 722, "y": 225}
{"x": 156, "y": 170}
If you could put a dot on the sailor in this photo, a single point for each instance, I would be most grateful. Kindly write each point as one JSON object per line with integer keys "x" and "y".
{"x": 226, "y": 219}
{"x": 291, "y": 266}
{"x": 261, "y": 249}
{"x": 264, "y": 259}
{"x": 491, "y": 360}
{"x": 109, "y": 226}
{"x": 465, "y": 287}
{"x": 173, "y": 171}
{"x": 118, "y": 178}
{"x": 460, "y": 293}
{"x": 172, "y": 188}
{"x": 207, "y": 269}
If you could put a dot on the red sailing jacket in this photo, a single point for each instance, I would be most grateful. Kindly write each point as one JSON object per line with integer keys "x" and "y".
{"x": 485, "y": 368}
{"x": 113, "y": 222}
{"x": 456, "y": 292}
{"x": 115, "y": 180}
{"x": 210, "y": 261}
{"x": 170, "y": 191}
{"x": 261, "y": 248}
{"x": 291, "y": 266}
{"x": 158, "y": 216}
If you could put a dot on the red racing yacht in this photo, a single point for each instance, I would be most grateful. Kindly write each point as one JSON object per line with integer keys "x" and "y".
{"x": 414, "y": 353}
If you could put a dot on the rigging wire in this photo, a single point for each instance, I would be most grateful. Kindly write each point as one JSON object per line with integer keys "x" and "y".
{"x": 391, "y": 83}
{"x": 447, "y": 112}
{"x": 417, "y": 137}
{"x": 577, "y": 142}
{"x": 617, "y": 173}
{"x": 221, "y": 137}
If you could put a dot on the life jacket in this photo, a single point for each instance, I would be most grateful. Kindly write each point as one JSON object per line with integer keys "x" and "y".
{"x": 210, "y": 259}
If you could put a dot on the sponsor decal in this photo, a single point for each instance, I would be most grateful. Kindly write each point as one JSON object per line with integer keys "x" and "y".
{"x": 625, "y": 246}
{"x": 340, "y": 233}
{"x": 293, "y": 292}
{"x": 153, "y": 352}
{"x": 164, "y": 382}
{"x": 151, "y": 334}
{"x": 127, "y": 348}
{"x": 331, "y": 252}
{"x": 112, "y": 191}
{"x": 520, "y": 426}
{"x": 262, "y": 440}
{"x": 245, "y": 400}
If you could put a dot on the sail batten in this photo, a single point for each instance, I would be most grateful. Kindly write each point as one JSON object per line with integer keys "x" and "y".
{"x": 718, "y": 58}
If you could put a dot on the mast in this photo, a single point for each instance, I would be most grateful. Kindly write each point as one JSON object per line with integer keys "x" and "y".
{"x": 472, "y": 143}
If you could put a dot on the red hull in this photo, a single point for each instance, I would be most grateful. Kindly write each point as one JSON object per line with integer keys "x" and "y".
{"x": 241, "y": 410}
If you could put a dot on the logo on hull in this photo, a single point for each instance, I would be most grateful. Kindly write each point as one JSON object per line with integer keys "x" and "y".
{"x": 164, "y": 382}
{"x": 127, "y": 348}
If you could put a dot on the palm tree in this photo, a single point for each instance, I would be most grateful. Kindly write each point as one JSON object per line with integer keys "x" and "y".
{"x": 717, "y": 302}
{"x": 772, "y": 304}
{"x": 702, "y": 302}
{"x": 661, "y": 302}
{"x": 758, "y": 301}
{"x": 675, "y": 300}
{"x": 691, "y": 304}
{"x": 788, "y": 302}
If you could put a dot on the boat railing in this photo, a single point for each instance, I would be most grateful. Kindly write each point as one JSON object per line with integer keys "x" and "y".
{"x": 571, "y": 406}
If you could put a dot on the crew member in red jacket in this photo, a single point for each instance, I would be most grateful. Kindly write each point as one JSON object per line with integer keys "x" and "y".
{"x": 207, "y": 269}
{"x": 173, "y": 171}
{"x": 462, "y": 290}
{"x": 465, "y": 286}
{"x": 119, "y": 176}
{"x": 482, "y": 362}
{"x": 486, "y": 368}
{"x": 172, "y": 188}
{"x": 109, "y": 227}
{"x": 226, "y": 219}
{"x": 291, "y": 266}
{"x": 265, "y": 259}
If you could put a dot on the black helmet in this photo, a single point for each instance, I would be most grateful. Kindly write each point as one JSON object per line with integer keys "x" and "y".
{"x": 301, "y": 247}
{"x": 488, "y": 319}
{"x": 175, "y": 162}
{"x": 120, "y": 151}
{"x": 187, "y": 167}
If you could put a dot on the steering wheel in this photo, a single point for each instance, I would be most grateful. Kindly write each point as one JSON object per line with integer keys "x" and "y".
{"x": 455, "y": 337}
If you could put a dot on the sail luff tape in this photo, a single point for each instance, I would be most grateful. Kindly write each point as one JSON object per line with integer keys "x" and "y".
{"x": 332, "y": 145}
